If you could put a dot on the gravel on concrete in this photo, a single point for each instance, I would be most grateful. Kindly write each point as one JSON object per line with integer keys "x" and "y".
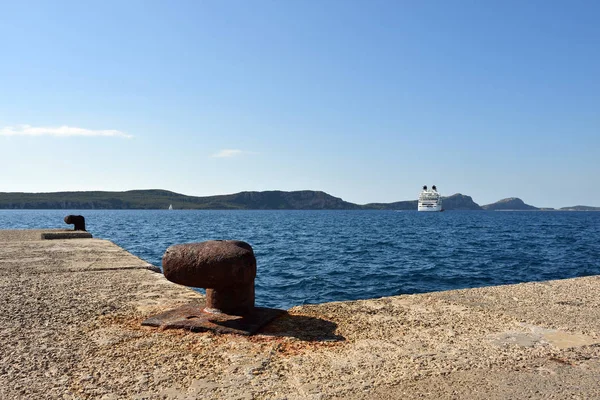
{"x": 70, "y": 328}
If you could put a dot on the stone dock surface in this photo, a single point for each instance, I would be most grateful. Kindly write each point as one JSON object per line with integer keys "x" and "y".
{"x": 70, "y": 328}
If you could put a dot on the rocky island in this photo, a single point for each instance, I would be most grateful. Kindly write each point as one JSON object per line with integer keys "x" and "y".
{"x": 509, "y": 204}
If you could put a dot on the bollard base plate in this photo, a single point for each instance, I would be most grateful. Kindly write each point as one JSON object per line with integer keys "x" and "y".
{"x": 64, "y": 234}
{"x": 192, "y": 317}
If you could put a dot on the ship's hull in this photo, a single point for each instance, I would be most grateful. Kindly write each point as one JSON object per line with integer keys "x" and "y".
{"x": 429, "y": 208}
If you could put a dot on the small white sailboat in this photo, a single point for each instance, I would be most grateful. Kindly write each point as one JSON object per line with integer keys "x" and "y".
{"x": 170, "y": 206}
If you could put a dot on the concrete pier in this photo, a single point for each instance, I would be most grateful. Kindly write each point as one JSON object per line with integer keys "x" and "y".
{"x": 70, "y": 328}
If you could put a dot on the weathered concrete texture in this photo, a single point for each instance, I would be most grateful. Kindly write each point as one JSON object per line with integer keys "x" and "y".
{"x": 70, "y": 314}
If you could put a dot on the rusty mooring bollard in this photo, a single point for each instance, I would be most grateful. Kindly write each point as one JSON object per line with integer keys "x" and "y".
{"x": 225, "y": 268}
{"x": 76, "y": 220}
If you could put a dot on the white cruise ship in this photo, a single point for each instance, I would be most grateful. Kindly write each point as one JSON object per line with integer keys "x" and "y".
{"x": 430, "y": 200}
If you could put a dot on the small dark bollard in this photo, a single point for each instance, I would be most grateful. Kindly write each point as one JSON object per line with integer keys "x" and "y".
{"x": 226, "y": 268}
{"x": 76, "y": 220}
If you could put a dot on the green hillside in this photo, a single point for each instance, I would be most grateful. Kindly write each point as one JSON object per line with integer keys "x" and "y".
{"x": 161, "y": 199}
{"x": 509, "y": 204}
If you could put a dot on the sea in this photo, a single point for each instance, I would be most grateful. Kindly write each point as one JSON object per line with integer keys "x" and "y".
{"x": 307, "y": 257}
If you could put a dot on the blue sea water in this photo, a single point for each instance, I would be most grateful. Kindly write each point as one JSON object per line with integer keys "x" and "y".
{"x": 318, "y": 256}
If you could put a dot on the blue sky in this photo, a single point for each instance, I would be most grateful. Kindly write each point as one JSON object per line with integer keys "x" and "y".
{"x": 366, "y": 100}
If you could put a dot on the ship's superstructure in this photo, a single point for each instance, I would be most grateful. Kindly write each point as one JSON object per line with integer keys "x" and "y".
{"x": 430, "y": 200}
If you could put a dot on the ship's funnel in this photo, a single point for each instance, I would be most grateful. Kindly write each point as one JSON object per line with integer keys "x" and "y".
{"x": 424, "y": 187}
{"x": 434, "y": 188}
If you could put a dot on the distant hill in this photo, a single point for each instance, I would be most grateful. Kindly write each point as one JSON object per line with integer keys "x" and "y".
{"x": 161, "y": 199}
{"x": 580, "y": 208}
{"x": 455, "y": 202}
{"x": 398, "y": 205}
{"x": 511, "y": 203}
{"x": 276, "y": 200}
{"x": 459, "y": 202}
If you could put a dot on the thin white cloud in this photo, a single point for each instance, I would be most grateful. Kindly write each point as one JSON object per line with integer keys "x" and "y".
{"x": 61, "y": 131}
{"x": 227, "y": 153}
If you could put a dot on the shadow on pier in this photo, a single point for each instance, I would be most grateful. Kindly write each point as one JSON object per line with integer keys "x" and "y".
{"x": 308, "y": 329}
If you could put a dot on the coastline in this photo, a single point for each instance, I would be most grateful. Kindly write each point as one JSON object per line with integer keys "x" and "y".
{"x": 71, "y": 327}
{"x": 157, "y": 199}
